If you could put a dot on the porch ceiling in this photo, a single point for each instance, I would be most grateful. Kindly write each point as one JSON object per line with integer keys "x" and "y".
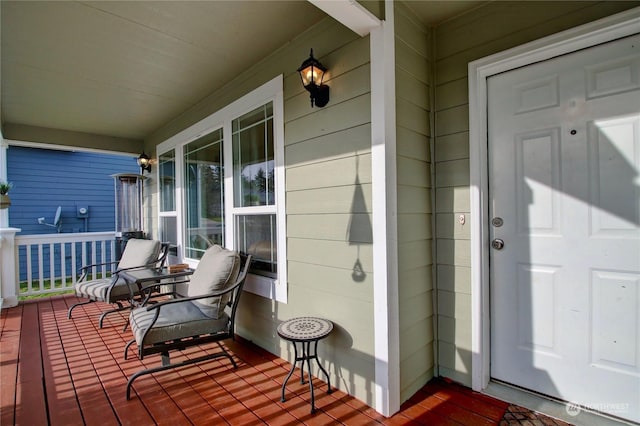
{"x": 124, "y": 69}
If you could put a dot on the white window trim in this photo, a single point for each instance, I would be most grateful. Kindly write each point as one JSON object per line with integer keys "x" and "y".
{"x": 169, "y": 213}
{"x": 272, "y": 91}
{"x": 582, "y": 37}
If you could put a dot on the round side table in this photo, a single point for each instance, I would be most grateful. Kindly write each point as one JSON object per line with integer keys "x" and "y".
{"x": 304, "y": 331}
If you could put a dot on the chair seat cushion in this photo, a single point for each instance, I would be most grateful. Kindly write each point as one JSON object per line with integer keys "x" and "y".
{"x": 97, "y": 290}
{"x": 176, "y": 321}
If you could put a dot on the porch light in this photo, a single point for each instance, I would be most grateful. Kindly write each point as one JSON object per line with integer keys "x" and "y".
{"x": 312, "y": 73}
{"x": 144, "y": 162}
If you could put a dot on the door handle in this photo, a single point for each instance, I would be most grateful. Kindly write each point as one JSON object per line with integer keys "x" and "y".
{"x": 497, "y": 244}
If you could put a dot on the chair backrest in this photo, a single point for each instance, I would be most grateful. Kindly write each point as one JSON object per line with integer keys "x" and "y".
{"x": 139, "y": 252}
{"x": 217, "y": 271}
{"x": 232, "y": 304}
{"x": 164, "y": 253}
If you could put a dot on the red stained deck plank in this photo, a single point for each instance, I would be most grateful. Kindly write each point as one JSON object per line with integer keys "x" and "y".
{"x": 94, "y": 404}
{"x": 9, "y": 350}
{"x": 30, "y": 394}
{"x": 61, "y": 397}
{"x": 105, "y": 348}
{"x": 82, "y": 370}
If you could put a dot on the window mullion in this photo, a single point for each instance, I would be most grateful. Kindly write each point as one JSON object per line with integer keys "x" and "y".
{"x": 227, "y": 151}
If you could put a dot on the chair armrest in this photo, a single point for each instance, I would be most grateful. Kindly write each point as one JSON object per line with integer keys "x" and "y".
{"x": 146, "y": 265}
{"x": 146, "y": 290}
{"x": 145, "y": 283}
{"x": 192, "y": 298}
{"x": 154, "y": 284}
{"x": 85, "y": 268}
{"x": 115, "y": 277}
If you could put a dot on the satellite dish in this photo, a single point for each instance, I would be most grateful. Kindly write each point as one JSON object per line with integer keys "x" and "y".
{"x": 56, "y": 220}
{"x": 57, "y": 223}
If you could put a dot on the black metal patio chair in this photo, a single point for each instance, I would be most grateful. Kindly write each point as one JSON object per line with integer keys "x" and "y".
{"x": 138, "y": 253}
{"x": 206, "y": 315}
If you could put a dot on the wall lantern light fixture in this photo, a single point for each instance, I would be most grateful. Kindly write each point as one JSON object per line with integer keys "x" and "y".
{"x": 144, "y": 162}
{"x": 312, "y": 73}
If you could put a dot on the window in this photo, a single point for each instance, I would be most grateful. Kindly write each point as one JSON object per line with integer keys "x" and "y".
{"x": 253, "y": 161}
{"x": 228, "y": 188}
{"x": 256, "y": 235}
{"x": 254, "y": 188}
{"x": 204, "y": 194}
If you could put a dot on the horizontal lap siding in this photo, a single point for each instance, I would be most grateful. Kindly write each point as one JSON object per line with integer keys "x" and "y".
{"x": 415, "y": 258}
{"x": 487, "y": 30}
{"x": 328, "y": 202}
{"x": 329, "y": 234}
{"x": 44, "y": 179}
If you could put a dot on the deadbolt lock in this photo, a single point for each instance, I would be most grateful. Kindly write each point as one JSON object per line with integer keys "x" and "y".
{"x": 497, "y": 222}
{"x": 497, "y": 244}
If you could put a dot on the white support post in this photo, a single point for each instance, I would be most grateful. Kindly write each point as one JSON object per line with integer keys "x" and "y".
{"x": 385, "y": 215}
{"x": 8, "y": 268}
{"x": 4, "y": 213}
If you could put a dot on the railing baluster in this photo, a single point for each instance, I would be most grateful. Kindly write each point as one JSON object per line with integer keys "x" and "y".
{"x": 103, "y": 258}
{"x": 74, "y": 266}
{"x": 41, "y": 267}
{"x": 31, "y": 255}
{"x": 29, "y": 270}
{"x": 93, "y": 259}
{"x": 84, "y": 253}
{"x": 52, "y": 266}
{"x": 63, "y": 265}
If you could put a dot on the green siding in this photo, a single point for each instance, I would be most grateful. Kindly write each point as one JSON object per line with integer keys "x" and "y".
{"x": 415, "y": 259}
{"x": 490, "y": 29}
{"x": 328, "y": 201}
{"x": 328, "y": 189}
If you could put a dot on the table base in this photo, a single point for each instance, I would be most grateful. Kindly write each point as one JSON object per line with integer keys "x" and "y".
{"x": 307, "y": 356}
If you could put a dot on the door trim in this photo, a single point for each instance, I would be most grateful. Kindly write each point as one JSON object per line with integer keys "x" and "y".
{"x": 584, "y": 36}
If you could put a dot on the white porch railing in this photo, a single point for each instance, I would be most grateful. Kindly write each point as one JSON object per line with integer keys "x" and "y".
{"x": 49, "y": 263}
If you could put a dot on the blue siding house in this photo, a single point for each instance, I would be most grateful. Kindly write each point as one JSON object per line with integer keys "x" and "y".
{"x": 44, "y": 180}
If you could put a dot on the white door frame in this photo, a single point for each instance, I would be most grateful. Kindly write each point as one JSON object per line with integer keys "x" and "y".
{"x": 601, "y": 31}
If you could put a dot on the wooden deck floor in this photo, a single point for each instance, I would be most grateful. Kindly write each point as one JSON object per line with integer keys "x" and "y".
{"x": 68, "y": 372}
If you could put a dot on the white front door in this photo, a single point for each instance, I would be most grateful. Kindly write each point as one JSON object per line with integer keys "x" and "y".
{"x": 564, "y": 192}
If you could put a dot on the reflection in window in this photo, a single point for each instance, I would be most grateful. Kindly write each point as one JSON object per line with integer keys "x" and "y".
{"x": 253, "y": 158}
{"x": 256, "y": 235}
{"x": 167, "y": 171}
{"x": 168, "y": 218}
{"x": 254, "y": 189}
{"x": 169, "y": 233}
{"x": 204, "y": 183}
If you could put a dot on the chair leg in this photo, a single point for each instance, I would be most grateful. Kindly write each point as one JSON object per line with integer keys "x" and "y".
{"x": 126, "y": 348}
{"x": 118, "y": 309}
{"x": 226, "y": 354}
{"x": 166, "y": 366}
{"x": 75, "y": 305}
